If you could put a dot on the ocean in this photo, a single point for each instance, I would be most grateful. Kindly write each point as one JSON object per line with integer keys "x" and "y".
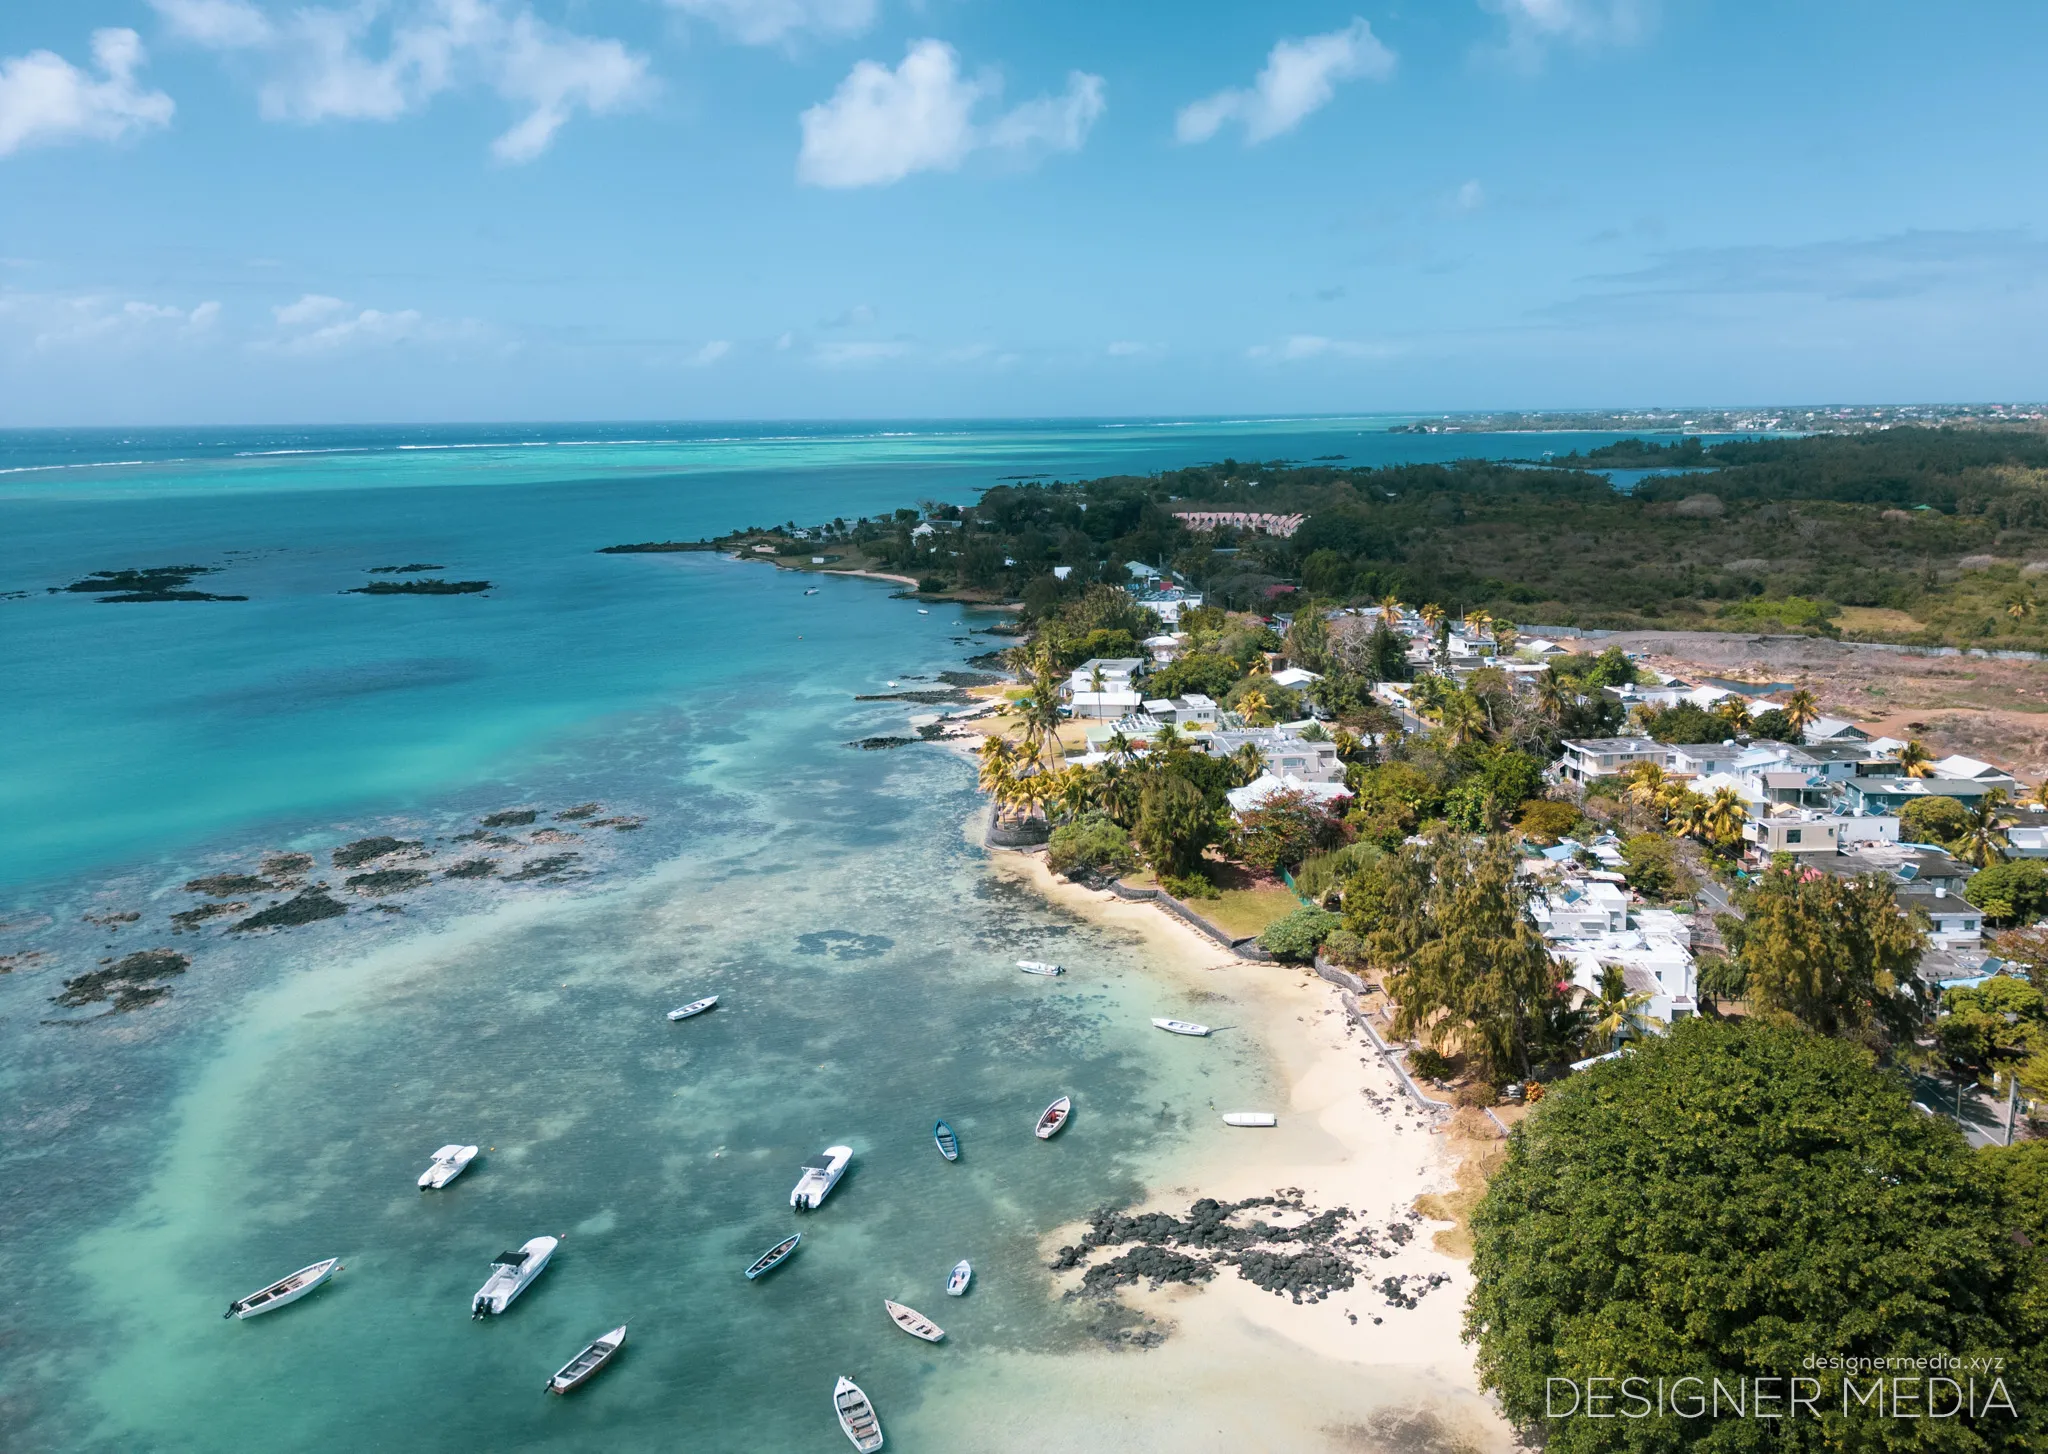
{"x": 671, "y": 736}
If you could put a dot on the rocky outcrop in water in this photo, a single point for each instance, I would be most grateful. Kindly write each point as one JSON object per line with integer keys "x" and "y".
{"x": 425, "y": 587}
{"x": 510, "y": 818}
{"x": 881, "y": 744}
{"x": 368, "y": 850}
{"x": 308, "y": 906}
{"x": 387, "y": 881}
{"x": 145, "y": 584}
{"x": 130, "y": 982}
{"x": 227, "y": 885}
{"x": 193, "y": 918}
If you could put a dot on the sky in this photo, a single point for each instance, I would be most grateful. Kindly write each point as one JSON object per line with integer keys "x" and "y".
{"x": 301, "y": 211}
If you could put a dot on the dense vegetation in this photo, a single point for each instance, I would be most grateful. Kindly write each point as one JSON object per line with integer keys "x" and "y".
{"x": 1921, "y": 534}
{"x": 1729, "y": 1202}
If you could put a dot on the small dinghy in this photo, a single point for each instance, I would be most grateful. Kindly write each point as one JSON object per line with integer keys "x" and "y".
{"x": 775, "y": 1256}
{"x": 857, "y": 1416}
{"x": 583, "y": 1367}
{"x": 511, "y": 1274}
{"x": 949, "y": 1144}
{"x": 913, "y": 1322}
{"x": 821, "y": 1174}
{"x": 1054, "y": 1117}
{"x": 1250, "y": 1118}
{"x": 1039, "y": 966}
{"x": 1181, "y": 1027}
{"x": 812, "y": 591}
{"x": 449, "y": 1162}
{"x": 963, "y": 1273}
{"x": 695, "y": 1007}
{"x": 284, "y": 1290}
{"x": 923, "y": 611}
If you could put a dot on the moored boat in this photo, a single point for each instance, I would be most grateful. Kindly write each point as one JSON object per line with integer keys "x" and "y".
{"x": 449, "y": 1162}
{"x": 857, "y": 1416}
{"x": 1039, "y": 966}
{"x": 775, "y": 1256}
{"x": 284, "y": 1290}
{"x": 583, "y": 1367}
{"x": 913, "y": 1322}
{"x": 1250, "y": 1118}
{"x": 949, "y": 1144}
{"x": 821, "y": 1174}
{"x": 1181, "y": 1027}
{"x": 1054, "y": 1116}
{"x": 812, "y": 591}
{"x": 695, "y": 1007}
{"x": 511, "y": 1274}
{"x": 963, "y": 1273}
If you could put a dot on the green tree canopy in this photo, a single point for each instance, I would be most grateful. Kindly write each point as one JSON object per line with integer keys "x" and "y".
{"x": 1725, "y": 1203}
{"x": 1933, "y": 820}
{"x": 1833, "y": 954}
{"x": 2010, "y": 891}
{"x": 1175, "y": 823}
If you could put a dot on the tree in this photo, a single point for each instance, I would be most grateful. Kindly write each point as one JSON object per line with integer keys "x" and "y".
{"x": 1470, "y": 970}
{"x": 1687, "y": 723}
{"x": 2007, "y": 892}
{"x": 1802, "y": 710}
{"x": 1553, "y": 694}
{"x": 1254, "y": 708}
{"x": 1174, "y": 824}
{"x": 2001, "y": 1024}
{"x": 1933, "y": 819}
{"x": 1297, "y": 937}
{"x": 1546, "y": 819}
{"x": 1734, "y": 714}
{"x": 1646, "y": 780}
{"x": 1285, "y": 829}
{"x": 1772, "y": 725}
{"x": 998, "y": 757}
{"x": 1616, "y": 1012}
{"x": 1832, "y": 954}
{"x": 1722, "y": 1202}
{"x": 1653, "y": 867}
{"x": 1308, "y": 639}
{"x": 1723, "y": 817}
{"x": 1914, "y": 759}
{"x": 1091, "y": 844}
{"x": 1463, "y": 718}
{"x": 1982, "y": 841}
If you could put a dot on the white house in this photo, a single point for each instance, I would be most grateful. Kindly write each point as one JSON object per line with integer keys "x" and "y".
{"x": 1283, "y": 751}
{"x": 1295, "y": 677}
{"x": 2027, "y": 842}
{"x": 1580, "y": 909}
{"x": 1834, "y": 729}
{"x": 1192, "y": 710}
{"x": 1591, "y": 757}
{"x": 1105, "y": 687}
{"x": 1590, "y": 927}
{"x": 1267, "y": 786}
{"x": 1970, "y": 770}
{"x": 1164, "y": 648}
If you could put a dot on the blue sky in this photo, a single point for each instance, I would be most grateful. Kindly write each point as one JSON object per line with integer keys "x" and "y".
{"x": 219, "y": 211}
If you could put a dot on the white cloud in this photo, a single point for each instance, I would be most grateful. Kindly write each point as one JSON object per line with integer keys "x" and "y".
{"x": 312, "y": 308}
{"x": 317, "y": 324}
{"x": 44, "y": 98}
{"x": 1312, "y": 345}
{"x": 1299, "y": 78}
{"x": 1470, "y": 197}
{"x": 98, "y": 321}
{"x": 1532, "y": 25}
{"x": 882, "y": 125}
{"x": 710, "y": 353}
{"x": 321, "y": 63}
{"x": 764, "y": 22}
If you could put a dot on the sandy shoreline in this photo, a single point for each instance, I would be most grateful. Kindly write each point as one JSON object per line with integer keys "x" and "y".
{"x": 1348, "y": 1136}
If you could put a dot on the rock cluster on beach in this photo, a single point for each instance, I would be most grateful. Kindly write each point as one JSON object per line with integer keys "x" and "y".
{"x": 1306, "y": 1260}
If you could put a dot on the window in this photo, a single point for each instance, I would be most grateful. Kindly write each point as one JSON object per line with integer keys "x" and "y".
{"x": 1791, "y": 835}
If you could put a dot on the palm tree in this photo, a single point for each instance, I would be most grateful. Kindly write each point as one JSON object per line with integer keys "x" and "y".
{"x": 1733, "y": 710}
{"x": 1646, "y": 781}
{"x": 1039, "y": 712}
{"x": 2036, "y": 797}
{"x": 1034, "y": 789}
{"x": 2020, "y": 604}
{"x": 1616, "y": 1013}
{"x": 998, "y": 776}
{"x": 1432, "y": 615}
{"x": 1687, "y": 813}
{"x": 1390, "y": 610}
{"x": 1552, "y": 695}
{"x": 1074, "y": 790}
{"x": 1095, "y": 678}
{"x": 1915, "y": 760}
{"x": 1168, "y": 739}
{"x": 1982, "y": 844}
{"x": 1463, "y": 718}
{"x": 1504, "y": 636}
{"x": 1478, "y": 623}
{"x": 1724, "y": 816}
{"x": 1802, "y": 710}
{"x": 1118, "y": 746}
{"x": 1246, "y": 765}
{"x": 1253, "y": 707}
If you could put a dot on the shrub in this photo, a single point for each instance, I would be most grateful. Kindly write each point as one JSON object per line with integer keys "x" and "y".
{"x": 1933, "y": 820}
{"x": 1653, "y": 867}
{"x": 1325, "y": 871}
{"x": 1773, "y": 725}
{"x": 1091, "y": 844}
{"x": 1286, "y": 829}
{"x": 1296, "y": 937}
{"x": 1547, "y": 820}
{"x": 1477, "y": 1095}
{"x": 1189, "y": 886}
{"x": 1429, "y": 1064}
{"x": 1342, "y": 946}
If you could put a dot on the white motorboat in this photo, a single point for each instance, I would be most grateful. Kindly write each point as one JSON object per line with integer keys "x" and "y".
{"x": 913, "y": 1322}
{"x": 1054, "y": 1117}
{"x": 449, "y": 1163}
{"x": 284, "y": 1290}
{"x": 812, "y": 591}
{"x": 695, "y": 1007}
{"x": 1250, "y": 1118}
{"x": 583, "y": 1367}
{"x": 1181, "y": 1027}
{"x": 821, "y": 1174}
{"x": 1039, "y": 966}
{"x": 857, "y": 1416}
{"x": 924, "y": 610}
{"x": 963, "y": 1273}
{"x": 511, "y": 1274}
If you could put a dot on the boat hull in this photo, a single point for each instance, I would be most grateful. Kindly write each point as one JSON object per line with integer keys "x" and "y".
{"x": 1054, "y": 1118}
{"x": 857, "y": 1417}
{"x": 499, "y": 1293}
{"x": 818, "y": 1180}
{"x": 268, "y": 1300}
{"x": 1182, "y": 1027}
{"x": 449, "y": 1163}
{"x": 1039, "y": 966}
{"x": 587, "y": 1364}
{"x": 1250, "y": 1118}
{"x": 913, "y": 1322}
{"x": 963, "y": 1273}
{"x": 774, "y": 1257}
{"x": 693, "y": 1010}
{"x": 947, "y": 1142}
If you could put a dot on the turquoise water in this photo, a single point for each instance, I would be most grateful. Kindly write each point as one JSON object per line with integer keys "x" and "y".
{"x": 276, "y": 1107}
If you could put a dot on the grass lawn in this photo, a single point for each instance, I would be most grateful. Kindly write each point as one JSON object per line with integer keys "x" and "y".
{"x": 1245, "y": 905}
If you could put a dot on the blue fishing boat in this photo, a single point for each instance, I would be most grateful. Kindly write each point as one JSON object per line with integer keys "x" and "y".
{"x": 949, "y": 1144}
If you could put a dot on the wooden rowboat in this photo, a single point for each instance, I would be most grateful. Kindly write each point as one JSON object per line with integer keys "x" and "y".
{"x": 583, "y": 1367}
{"x": 284, "y": 1290}
{"x": 1250, "y": 1118}
{"x": 913, "y": 1322}
{"x": 693, "y": 1009}
{"x": 949, "y": 1144}
{"x": 1039, "y": 966}
{"x": 774, "y": 1257}
{"x": 1054, "y": 1117}
{"x": 963, "y": 1273}
{"x": 1181, "y": 1027}
{"x": 857, "y": 1416}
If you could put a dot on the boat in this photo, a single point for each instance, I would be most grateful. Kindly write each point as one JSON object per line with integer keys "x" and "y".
{"x": 922, "y": 611}
{"x": 583, "y": 1367}
{"x": 913, "y": 1322}
{"x": 1182, "y": 1027}
{"x": 1054, "y": 1117}
{"x": 1250, "y": 1118}
{"x": 857, "y": 1416}
{"x": 511, "y": 1274}
{"x": 1039, "y": 966}
{"x": 284, "y": 1290}
{"x": 695, "y": 1007}
{"x": 963, "y": 1273}
{"x": 812, "y": 591}
{"x": 775, "y": 1256}
{"x": 449, "y": 1162}
{"x": 949, "y": 1144}
{"x": 821, "y": 1174}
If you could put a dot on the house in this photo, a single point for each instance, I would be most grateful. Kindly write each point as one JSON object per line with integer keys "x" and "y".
{"x": 1164, "y": 648}
{"x": 1590, "y": 927}
{"x": 1953, "y": 921}
{"x": 2024, "y": 842}
{"x": 1795, "y": 832}
{"x": 1703, "y": 759}
{"x": 1105, "y": 687}
{"x": 1169, "y": 600}
{"x": 1834, "y": 729}
{"x": 1541, "y": 650}
{"x": 1061, "y": 572}
{"x": 1889, "y": 794}
{"x": 1268, "y": 785}
{"x": 1141, "y": 571}
{"x": 1283, "y": 750}
{"x": 1970, "y": 770}
{"x": 1577, "y": 909}
{"x": 1192, "y": 710}
{"x": 1595, "y": 757}
{"x": 1295, "y": 677}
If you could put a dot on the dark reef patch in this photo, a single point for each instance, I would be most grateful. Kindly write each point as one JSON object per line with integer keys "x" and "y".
{"x": 553, "y": 866}
{"x": 306, "y": 907}
{"x": 129, "y": 982}
{"x": 471, "y": 868}
{"x": 193, "y": 918}
{"x": 287, "y": 865}
{"x": 227, "y": 885}
{"x": 510, "y": 818}
{"x": 146, "y": 583}
{"x": 844, "y": 944}
{"x": 419, "y": 588}
{"x": 364, "y": 850}
{"x": 578, "y": 813}
{"x": 403, "y": 570}
{"x": 881, "y": 744}
{"x": 387, "y": 880}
